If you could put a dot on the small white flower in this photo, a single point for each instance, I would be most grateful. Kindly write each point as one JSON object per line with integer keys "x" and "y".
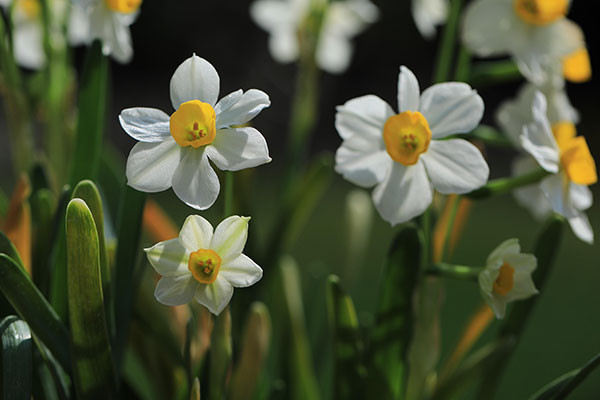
{"x": 547, "y": 134}
{"x": 204, "y": 265}
{"x": 174, "y": 151}
{"x": 342, "y": 21}
{"x": 535, "y": 32}
{"x": 109, "y": 21}
{"x": 407, "y": 155}
{"x": 428, "y": 14}
{"x": 507, "y": 276}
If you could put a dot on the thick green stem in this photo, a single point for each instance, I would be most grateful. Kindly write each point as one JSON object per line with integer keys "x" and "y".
{"x": 505, "y": 185}
{"x": 486, "y": 73}
{"x": 454, "y": 271}
{"x": 446, "y": 50}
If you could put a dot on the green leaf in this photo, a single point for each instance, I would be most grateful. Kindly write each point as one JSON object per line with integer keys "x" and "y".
{"x": 58, "y": 257}
{"x": 43, "y": 206}
{"x": 34, "y": 309}
{"x": 17, "y": 359}
{"x": 349, "y": 367}
{"x": 93, "y": 372}
{"x": 195, "y": 392}
{"x": 92, "y": 114}
{"x": 562, "y": 386}
{"x": 303, "y": 383}
{"x": 220, "y": 356}
{"x": 393, "y": 328}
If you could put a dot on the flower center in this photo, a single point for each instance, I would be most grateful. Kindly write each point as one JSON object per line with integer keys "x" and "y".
{"x": 406, "y": 136}
{"x": 577, "y": 67}
{"x": 193, "y": 124}
{"x": 541, "y": 12}
{"x": 505, "y": 280}
{"x": 31, "y": 8}
{"x": 575, "y": 156}
{"x": 123, "y": 6}
{"x": 204, "y": 265}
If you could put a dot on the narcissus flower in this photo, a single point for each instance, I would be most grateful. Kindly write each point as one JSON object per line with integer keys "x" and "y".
{"x": 535, "y": 32}
{"x": 109, "y": 21}
{"x": 550, "y": 139}
{"x": 507, "y": 276}
{"x": 203, "y": 264}
{"x": 173, "y": 151}
{"x": 341, "y": 22}
{"x": 407, "y": 155}
{"x": 428, "y": 14}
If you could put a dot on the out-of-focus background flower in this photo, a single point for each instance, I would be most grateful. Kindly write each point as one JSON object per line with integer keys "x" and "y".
{"x": 565, "y": 328}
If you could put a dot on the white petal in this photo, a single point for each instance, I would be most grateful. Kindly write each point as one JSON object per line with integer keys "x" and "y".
{"x": 333, "y": 53}
{"x": 508, "y": 247}
{"x": 215, "y": 296}
{"x": 429, "y": 13}
{"x": 523, "y": 263}
{"x": 194, "y": 79}
{"x": 363, "y": 168}
{"x": 175, "y": 290}
{"x": 582, "y": 228}
{"x": 404, "y": 194}
{"x": 531, "y": 196}
{"x": 169, "y": 258}
{"x": 150, "y": 166}
{"x": 363, "y": 117}
{"x": 581, "y": 196}
{"x": 488, "y": 26}
{"x": 451, "y": 107}
{"x": 230, "y": 237}
{"x": 272, "y": 14}
{"x": 194, "y": 181}
{"x": 27, "y": 45}
{"x": 523, "y": 287}
{"x": 238, "y": 148}
{"x": 455, "y": 166}
{"x": 283, "y": 45}
{"x": 241, "y": 271}
{"x": 145, "y": 124}
{"x": 556, "y": 189}
{"x": 537, "y": 138}
{"x": 114, "y": 34}
{"x": 236, "y": 109}
{"x": 196, "y": 233}
{"x": 408, "y": 90}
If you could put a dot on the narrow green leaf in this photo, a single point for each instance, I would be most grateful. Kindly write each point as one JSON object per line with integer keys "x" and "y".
{"x": 17, "y": 359}
{"x": 93, "y": 372}
{"x": 58, "y": 257}
{"x": 220, "y": 356}
{"x": 129, "y": 230}
{"x": 394, "y": 320}
{"x": 92, "y": 114}
{"x": 303, "y": 383}
{"x": 43, "y": 206}
{"x": 195, "y": 392}
{"x": 33, "y": 308}
{"x": 350, "y": 370}
{"x": 8, "y": 248}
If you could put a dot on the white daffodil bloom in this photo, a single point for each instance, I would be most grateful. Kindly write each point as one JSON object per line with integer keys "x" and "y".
{"x": 28, "y": 33}
{"x": 507, "y": 276}
{"x": 109, "y": 21}
{"x": 342, "y": 21}
{"x": 548, "y": 135}
{"x": 428, "y": 14}
{"x": 203, "y": 264}
{"x": 534, "y": 32}
{"x": 173, "y": 151}
{"x": 407, "y": 155}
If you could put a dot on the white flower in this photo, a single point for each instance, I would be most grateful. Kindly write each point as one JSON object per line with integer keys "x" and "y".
{"x": 204, "y": 265}
{"x": 28, "y": 33}
{"x": 428, "y": 14}
{"x": 174, "y": 151}
{"x": 548, "y": 135}
{"x": 109, "y": 21}
{"x": 534, "y": 32}
{"x": 407, "y": 155}
{"x": 507, "y": 276}
{"x": 342, "y": 21}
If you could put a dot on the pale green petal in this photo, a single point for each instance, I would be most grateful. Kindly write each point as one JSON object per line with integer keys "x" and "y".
{"x": 241, "y": 271}
{"x": 169, "y": 258}
{"x": 230, "y": 237}
{"x": 196, "y": 233}
{"x": 215, "y": 296}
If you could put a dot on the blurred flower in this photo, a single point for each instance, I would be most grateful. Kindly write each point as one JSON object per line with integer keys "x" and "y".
{"x": 109, "y": 21}
{"x": 204, "y": 265}
{"x": 396, "y": 153}
{"x": 28, "y": 35}
{"x": 535, "y": 32}
{"x": 342, "y": 21}
{"x": 174, "y": 151}
{"x": 507, "y": 276}
{"x": 428, "y": 14}
{"x": 548, "y": 135}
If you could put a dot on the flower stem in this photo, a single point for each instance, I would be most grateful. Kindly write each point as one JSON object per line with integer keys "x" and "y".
{"x": 446, "y": 50}
{"x": 487, "y": 73}
{"x": 454, "y": 271}
{"x": 228, "y": 206}
{"x": 504, "y": 185}
{"x": 450, "y": 225}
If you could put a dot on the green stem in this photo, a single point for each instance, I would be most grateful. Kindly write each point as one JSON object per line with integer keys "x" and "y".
{"x": 487, "y": 73}
{"x": 454, "y": 271}
{"x": 446, "y": 50}
{"x": 463, "y": 65}
{"x": 449, "y": 226}
{"x": 504, "y": 185}
{"x": 228, "y": 204}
